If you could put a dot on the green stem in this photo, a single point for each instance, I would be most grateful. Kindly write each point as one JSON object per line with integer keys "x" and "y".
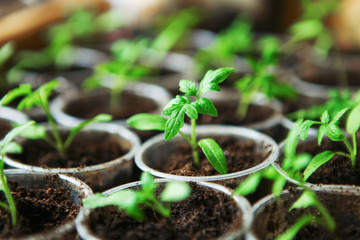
{"x": 351, "y": 151}
{"x": 355, "y": 150}
{"x": 330, "y": 223}
{"x": 9, "y": 198}
{"x": 194, "y": 143}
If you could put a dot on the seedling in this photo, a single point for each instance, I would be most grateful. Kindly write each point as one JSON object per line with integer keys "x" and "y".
{"x": 7, "y": 145}
{"x": 262, "y": 78}
{"x": 181, "y": 105}
{"x": 40, "y": 97}
{"x": 330, "y": 127}
{"x": 131, "y": 200}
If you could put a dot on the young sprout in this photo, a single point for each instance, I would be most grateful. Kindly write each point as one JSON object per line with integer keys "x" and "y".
{"x": 263, "y": 78}
{"x": 330, "y": 127}
{"x": 131, "y": 200}
{"x": 180, "y": 106}
{"x": 40, "y": 97}
{"x": 7, "y": 145}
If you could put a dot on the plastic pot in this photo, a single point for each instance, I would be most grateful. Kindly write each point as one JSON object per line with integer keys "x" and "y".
{"x": 9, "y": 116}
{"x": 272, "y": 216}
{"x": 77, "y": 188}
{"x": 149, "y": 91}
{"x": 100, "y": 176}
{"x": 86, "y": 232}
{"x": 153, "y": 153}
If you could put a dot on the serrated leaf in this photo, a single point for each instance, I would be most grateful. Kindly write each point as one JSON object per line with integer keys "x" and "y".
{"x": 22, "y": 90}
{"x": 325, "y": 117}
{"x": 188, "y": 87}
{"x": 174, "y": 123}
{"x": 317, "y": 162}
{"x": 212, "y": 78}
{"x": 214, "y": 154}
{"x": 205, "y": 106}
{"x": 304, "y": 129}
{"x": 353, "y": 121}
{"x": 333, "y": 131}
{"x": 175, "y": 104}
{"x": 321, "y": 133}
{"x": 249, "y": 185}
{"x": 175, "y": 192}
{"x": 191, "y": 111}
{"x": 147, "y": 121}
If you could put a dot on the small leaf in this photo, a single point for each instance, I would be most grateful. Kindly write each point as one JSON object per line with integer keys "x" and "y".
{"x": 325, "y": 117}
{"x": 305, "y": 128}
{"x": 214, "y": 154}
{"x": 191, "y": 111}
{"x": 353, "y": 121}
{"x": 174, "y": 123}
{"x": 340, "y": 114}
{"x": 175, "y": 192}
{"x": 22, "y": 90}
{"x": 11, "y": 147}
{"x": 249, "y": 185}
{"x": 16, "y": 132}
{"x": 321, "y": 133}
{"x": 6, "y": 51}
{"x": 334, "y": 132}
{"x": 147, "y": 121}
{"x": 278, "y": 185}
{"x": 35, "y": 131}
{"x": 205, "y": 106}
{"x": 188, "y": 87}
{"x": 306, "y": 199}
{"x": 306, "y": 29}
{"x": 212, "y": 78}
{"x": 294, "y": 229}
{"x": 147, "y": 182}
{"x": 175, "y": 104}
{"x": 301, "y": 161}
{"x": 317, "y": 162}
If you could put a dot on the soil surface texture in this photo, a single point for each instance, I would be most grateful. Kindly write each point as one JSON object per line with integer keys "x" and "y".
{"x": 204, "y": 215}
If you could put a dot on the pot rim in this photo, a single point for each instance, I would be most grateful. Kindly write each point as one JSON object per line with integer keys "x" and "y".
{"x": 156, "y": 93}
{"x": 13, "y": 115}
{"x": 122, "y": 133}
{"x": 241, "y": 202}
{"x": 211, "y": 130}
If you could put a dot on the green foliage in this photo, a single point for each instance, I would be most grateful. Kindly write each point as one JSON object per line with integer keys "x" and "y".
{"x": 329, "y": 126}
{"x": 6, "y": 51}
{"x": 40, "y": 98}
{"x": 7, "y": 145}
{"x": 180, "y": 106}
{"x": 132, "y": 200}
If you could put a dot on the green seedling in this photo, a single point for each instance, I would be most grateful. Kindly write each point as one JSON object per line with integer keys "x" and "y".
{"x": 131, "y": 200}
{"x": 180, "y": 106}
{"x": 337, "y": 100}
{"x": 262, "y": 78}
{"x": 7, "y": 145}
{"x": 40, "y": 98}
{"x": 330, "y": 127}
{"x": 322, "y": 218}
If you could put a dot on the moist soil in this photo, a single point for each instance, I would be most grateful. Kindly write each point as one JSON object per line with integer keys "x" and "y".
{"x": 227, "y": 116}
{"x": 239, "y": 155}
{"x": 204, "y": 215}
{"x": 338, "y": 170}
{"x": 99, "y": 147}
{"x": 276, "y": 218}
{"x": 129, "y": 104}
{"x": 39, "y": 210}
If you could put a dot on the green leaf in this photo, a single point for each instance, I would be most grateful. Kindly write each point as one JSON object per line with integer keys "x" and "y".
{"x": 191, "y": 111}
{"x": 147, "y": 121}
{"x": 294, "y": 229}
{"x": 340, "y": 114}
{"x": 11, "y": 147}
{"x": 325, "y": 117}
{"x": 306, "y": 29}
{"x": 334, "y": 132}
{"x": 174, "y": 123}
{"x": 353, "y": 121}
{"x": 301, "y": 161}
{"x": 22, "y": 90}
{"x": 306, "y": 199}
{"x": 175, "y": 104}
{"x": 6, "y": 51}
{"x": 205, "y": 106}
{"x": 214, "y": 154}
{"x": 16, "y": 132}
{"x": 212, "y": 78}
{"x": 188, "y": 87}
{"x": 305, "y": 126}
{"x": 278, "y": 185}
{"x": 147, "y": 182}
{"x": 35, "y": 131}
{"x": 321, "y": 133}
{"x": 175, "y": 191}
{"x": 249, "y": 185}
{"x": 317, "y": 162}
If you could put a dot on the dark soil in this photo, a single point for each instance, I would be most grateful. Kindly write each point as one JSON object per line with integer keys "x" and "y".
{"x": 89, "y": 107}
{"x": 338, "y": 170}
{"x": 39, "y": 210}
{"x": 204, "y": 215}
{"x": 100, "y": 147}
{"x": 277, "y": 132}
{"x": 5, "y": 127}
{"x": 329, "y": 76}
{"x": 301, "y": 102}
{"x": 276, "y": 218}
{"x": 227, "y": 114}
{"x": 239, "y": 155}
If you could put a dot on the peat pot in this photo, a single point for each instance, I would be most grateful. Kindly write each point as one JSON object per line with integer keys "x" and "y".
{"x": 272, "y": 216}
{"x": 257, "y": 151}
{"x": 47, "y": 204}
{"x": 101, "y": 155}
{"x": 215, "y": 202}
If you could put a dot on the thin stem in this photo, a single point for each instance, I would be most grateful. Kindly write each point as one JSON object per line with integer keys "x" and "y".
{"x": 355, "y": 149}
{"x": 9, "y": 198}
{"x": 194, "y": 143}
{"x": 351, "y": 151}
{"x": 330, "y": 223}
